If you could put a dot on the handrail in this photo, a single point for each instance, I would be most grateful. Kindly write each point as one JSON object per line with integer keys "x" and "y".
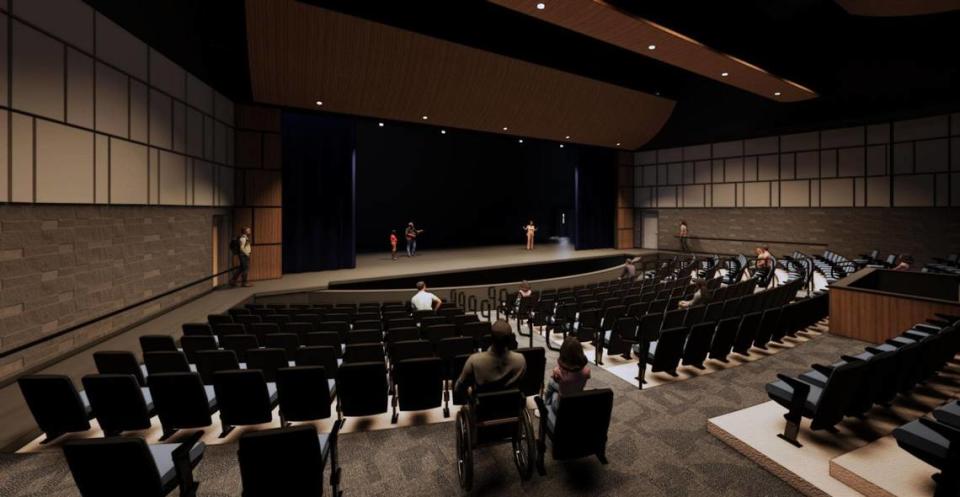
{"x": 808, "y": 244}
{"x": 110, "y": 314}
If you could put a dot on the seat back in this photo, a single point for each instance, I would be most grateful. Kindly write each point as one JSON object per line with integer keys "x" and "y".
{"x": 724, "y": 337}
{"x": 362, "y": 388}
{"x": 282, "y": 461}
{"x": 674, "y": 318}
{"x": 242, "y": 397}
{"x": 649, "y": 327}
{"x": 319, "y": 355}
{"x": 193, "y": 329}
{"x": 261, "y": 330}
{"x": 117, "y": 402}
{"x": 363, "y": 352}
{"x": 582, "y": 422}
{"x": 339, "y": 327}
{"x": 769, "y": 323}
{"x": 268, "y": 361}
{"x": 669, "y": 349}
{"x": 325, "y": 339}
{"x": 402, "y": 334}
{"x": 364, "y": 336}
{"x": 298, "y": 328}
{"x": 116, "y": 466}
{"x": 694, "y": 315}
{"x": 180, "y": 400}
{"x": 193, "y": 344}
{"x": 239, "y": 344}
{"x": 435, "y": 333}
{"x": 531, "y": 383}
{"x": 288, "y": 342}
{"x": 55, "y": 403}
{"x": 747, "y": 332}
{"x": 411, "y": 349}
{"x": 449, "y": 349}
{"x": 838, "y": 394}
{"x": 497, "y": 413}
{"x": 304, "y": 393}
{"x": 119, "y": 362}
{"x": 419, "y": 383}
{"x": 698, "y": 344}
{"x": 165, "y": 362}
{"x": 157, "y": 343}
{"x": 211, "y": 361}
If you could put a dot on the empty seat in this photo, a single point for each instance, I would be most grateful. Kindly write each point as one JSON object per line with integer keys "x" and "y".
{"x": 212, "y": 361}
{"x": 363, "y": 352}
{"x": 341, "y": 328}
{"x": 157, "y": 343}
{"x": 434, "y": 321}
{"x": 410, "y": 349}
{"x": 325, "y": 339}
{"x": 261, "y": 330}
{"x": 244, "y": 398}
{"x": 937, "y": 444}
{"x": 122, "y": 467}
{"x": 166, "y": 362}
{"x": 193, "y": 329}
{"x": 213, "y": 319}
{"x": 364, "y": 336}
{"x": 55, "y": 404}
{"x": 288, "y": 462}
{"x": 229, "y": 329}
{"x": 768, "y": 325}
{"x": 438, "y": 332}
{"x": 268, "y": 361}
{"x": 193, "y": 344}
{"x": 119, "y": 362}
{"x": 239, "y": 344}
{"x": 578, "y": 428}
{"x": 694, "y": 315}
{"x": 362, "y": 388}
{"x": 418, "y": 385}
{"x": 724, "y": 338}
{"x": 182, "y": 401}
{"x": 298, "y": 328}
{"x": 697, "y": 346}
{"x": 747, "y": 332}
{"x": 664, "y": 353}
{"x": 304, "y": 393}
{"x": 402, "y": 334}
{"x": 119, "y": 402}
{"x": 531, "y": 383}
{"x": 674, "y": 319}
{"x": 288, "y": 342}
{"x": 319, "y": 356}
{"x": 246, "y": 319}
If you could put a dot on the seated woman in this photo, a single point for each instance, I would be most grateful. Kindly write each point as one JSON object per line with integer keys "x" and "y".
{"x": 525, "y": 290}
{"x": 700, "y": 297}
{"x": 570, "y": 375}
{"x": 904, "y": 263}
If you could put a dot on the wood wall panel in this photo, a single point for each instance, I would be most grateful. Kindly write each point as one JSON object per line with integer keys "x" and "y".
{"x": 263, "y": 188}
{"x": 875, "y": 318}
{"x": 267, "y": 221}
{"x": 266, "y": 262}
{"x": 372, "y": 69}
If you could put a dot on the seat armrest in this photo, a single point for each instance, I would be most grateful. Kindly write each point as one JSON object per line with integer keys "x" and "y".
{"x": 184, "y": 467}
{"x": 849, "y": 358}
{"x": 824, "y": 370}
{"x": 950, "y": 433}
{"x": 800, "y": 392}
{"x": 873, "y": 350}
{"x": 542, "y": 408}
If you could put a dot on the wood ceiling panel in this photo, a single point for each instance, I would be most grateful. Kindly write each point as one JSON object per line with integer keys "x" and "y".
{"x": 300, "y": 54}
{"x": 605, "y": 22}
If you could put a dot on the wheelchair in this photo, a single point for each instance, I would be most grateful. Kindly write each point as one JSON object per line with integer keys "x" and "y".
{"x": 492, "y": 418}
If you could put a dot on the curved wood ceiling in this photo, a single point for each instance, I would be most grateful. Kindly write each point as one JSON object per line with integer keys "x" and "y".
{"x": 898, "y": 7}
{"x": 605, "y": 22}
{"x": 300, "y": 54}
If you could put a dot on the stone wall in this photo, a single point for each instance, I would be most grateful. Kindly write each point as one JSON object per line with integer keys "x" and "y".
{"x": 62, "y": 265}
{"x": 921, "y": 232}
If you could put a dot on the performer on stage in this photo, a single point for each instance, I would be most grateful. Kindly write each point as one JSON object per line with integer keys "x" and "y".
{"x": 411, "y": 235}
{"x": 530, "y": 229}
{"x": 393, "y": 244}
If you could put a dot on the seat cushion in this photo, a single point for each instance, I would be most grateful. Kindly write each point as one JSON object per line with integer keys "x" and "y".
{"x": 86, "y": 402}
{"x": 332, "y": 384}
{"x": 147, "y": 398}
{"x": 143, "y": 370}
{"x": 272, "y": 391}
{"x": 211, "y": 396}
{"x": 782, "y": 393}
{"x": 949, "y": 414}
{"x": 551, "y": 419}
{"x": 922, "y": 442}
{"x": 324, "y": 444}
{"x": 163, "y": 458}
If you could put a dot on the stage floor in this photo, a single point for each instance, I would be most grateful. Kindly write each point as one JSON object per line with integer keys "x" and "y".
{"x": 17, "y": 420}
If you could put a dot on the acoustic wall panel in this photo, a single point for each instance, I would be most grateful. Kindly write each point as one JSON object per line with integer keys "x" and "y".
{"x": 918, "y": 129}
{"x": 955, "y": 190}
{"x": 955, "y": 154}
{"x": 675, "y": 174}
{"x": 111, "y": 101}
{"x": 828, "y": 163}
{"x": 756, "y": 194}
{"x": 814, "y": 193}
{"x": 765, "y": 145}
{"x": 795, "y": 194}
{"x": 179, "y": 127}
{"x": 73, "y": 21}
{"x": 222, "y": 108}
{"x": 724, "y": 195}
{"x": 153, "y": 176}
{"x": 878, "y": 162}
{"x": 172, "y": 178}
{"x": 718, "y": 171}
{"x": 37, "y": 72}
{"x": 728, "y": 149}
{"x": 800, "y": 142}
{"x": 851, "y": 162}
{"x": 4, "y": 157}
{"x": 79, "y": 89}
{"x": 808, "y": 165}
{"x": 643, "y": 197}
{"x": 693, "y": 196}
{"x": 903, "y": 158}
{"x": 836, "y": 192}
{"x": 750, "y": 169}
{"x": 208, "y": 151}
{"x": 670, "y": 155}
{"x": 226, "y": 194}
{"x": 942, "y": 182}
{"x": 21, "y": 166}
{"x": 194, "y": 133}
{"x": 167, "y": 76}
{"x": 64, "y": 164}
{"x": 649, "y": 172}
{"x": 272, "y": 154}
{"x": 101, "y": 172}
{"x": 4, "y": 61}
{"x": 913, "y": 191}
{"x": 859, "y": 192}
{"x": 688, "y": 174}
{"x": 702, "y": 171}
{"x": 878, "y": 191}
{"x": 842, "y": 137}
{"x": 161, "y": 120}
{"x": 121, "y": 49}
{"x": 128, "y": 172}
{"x": 932, "y": 155}
{"x": 696, "y": 152}
{"x": 788, "y": 168}
{"x": 219, "y": 142}
{"x": 139, "y": 112}
{"x": 199, "y": 95}
{"x": 878, "y": 133}
{"x": 667, "y": 196}
{"x": 733, "y": 169}
{"x": 768, "y": 167}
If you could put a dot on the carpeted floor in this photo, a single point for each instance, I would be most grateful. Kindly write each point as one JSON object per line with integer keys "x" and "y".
{"x": 658, "y": 446}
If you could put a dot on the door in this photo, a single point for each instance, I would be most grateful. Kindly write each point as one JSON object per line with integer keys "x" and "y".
{"x": 649, "y": 229}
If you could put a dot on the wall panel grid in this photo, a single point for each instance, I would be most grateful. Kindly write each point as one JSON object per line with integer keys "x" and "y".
{"x": 911, "y": 163}
{"x": 91, "y": 114}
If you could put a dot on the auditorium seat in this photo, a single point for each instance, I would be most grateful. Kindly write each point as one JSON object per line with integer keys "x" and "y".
{"x": 244, "y": 398}
{"x": 193, "y": 344}
{"x": 118, "y": 402}
{"x": 239, "y": 344}
{"x": 288, "y": 462}
{"x": 746, "y": 333}
{"x": 418, "y": 385}
{"x": 304, "y": 393}
{"x": 224, "y": 329}
{"x": 825, "y": 406}
{"x": 56, "y": 405}
{"x": 402, "y": 334}
{"x": 182, "y": 401}
{"x": 577, "y": 429}
{"x": 664, "y": 354}
{"x": 769, "y": 323}
{"x": 724, "y": 338}
{"x": 157, "y": 343}
{"x": 437, "y": 332}
{"x": 694, "y": 315}
{"x": 362, "y": 389}
{"x": 531, "y": 383}
{"x": 212, "y": 361}
{"x": 165, "y": 362}
{"x": 287, "y": 342}
{"x": 267, "y": 361}
{"x": 214, "y": 319}
{"x": 120, "y": 362}
{"x": 619, "y": 339}
{"x": 698, "y": 344}
{"x": 191, "y": 329}
{"x": 364, "y": 336}
{"x": 119, "y": 466}
{"x": 937, "y": 444}
{"x": 320, "y": 356}
{"x": 410, "y": 349}
{"x": 325, "y": 339}
{"x": 363, "y": 352}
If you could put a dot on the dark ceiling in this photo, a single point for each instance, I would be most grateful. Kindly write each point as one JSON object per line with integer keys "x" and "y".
{"x": 865, "y": 69}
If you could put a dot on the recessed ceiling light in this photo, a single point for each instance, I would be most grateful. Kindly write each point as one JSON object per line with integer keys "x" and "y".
{"x": 776, "y": 94}
{"x": 618, "y": 144}
{"x": 423, "y": 117}
{"x": 380, "y": 124}
{"x": 443, "y": 131}
{"x": 520, "y": 140}
{"x": 319, "y": 102}
{"x": 724, "y": 74}
{"x": 505, "y": 128}
{"x": 561, "y": 145}
{"x": 651, "y": 47}
{"x": 658, "y": 94}
{"x": 541, "y": 6}
{"x": 567, "y": 137}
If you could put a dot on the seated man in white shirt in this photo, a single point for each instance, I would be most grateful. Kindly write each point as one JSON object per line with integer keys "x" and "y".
{"x": 424, "y": 300}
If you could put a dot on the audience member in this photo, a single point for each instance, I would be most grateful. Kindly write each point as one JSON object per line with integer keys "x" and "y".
{"x": 684, "y": 236}
{"x": 424, "y": 300}
{"x": 904, "y": 263}
{"x": 570, "y": 375}
{"x": 496, "y": 368}
{"x": 700, "y": 297}
{"x": 630, "y": 268}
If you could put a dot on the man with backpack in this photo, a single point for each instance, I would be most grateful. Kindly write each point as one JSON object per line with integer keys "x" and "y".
{"x": 240, "y": 247}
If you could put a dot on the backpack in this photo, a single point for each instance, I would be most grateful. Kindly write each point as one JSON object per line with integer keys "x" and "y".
{"x": 235, "y": 246}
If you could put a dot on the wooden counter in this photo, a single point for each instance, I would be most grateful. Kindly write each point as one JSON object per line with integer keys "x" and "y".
{"x": 877, "y": 304}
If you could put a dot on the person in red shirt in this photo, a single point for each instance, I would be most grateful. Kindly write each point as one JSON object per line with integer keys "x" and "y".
{"x": 393, "y": 244}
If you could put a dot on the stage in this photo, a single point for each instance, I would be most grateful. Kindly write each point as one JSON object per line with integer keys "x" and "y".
{"x": 21, "y": 427}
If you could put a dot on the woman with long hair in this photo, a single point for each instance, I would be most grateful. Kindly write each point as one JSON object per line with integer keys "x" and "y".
{"x": 570, "y": 375}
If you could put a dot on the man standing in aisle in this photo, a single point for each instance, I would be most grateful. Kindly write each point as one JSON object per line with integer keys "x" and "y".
{"x": 241, "y": 248}
{"x": 424, "y": 300}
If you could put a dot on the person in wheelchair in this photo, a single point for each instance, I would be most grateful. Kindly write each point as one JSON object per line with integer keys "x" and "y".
{"x": 497, "y": 368}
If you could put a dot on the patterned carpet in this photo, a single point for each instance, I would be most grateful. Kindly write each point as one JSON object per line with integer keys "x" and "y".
{"x": 658, "y": 446}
